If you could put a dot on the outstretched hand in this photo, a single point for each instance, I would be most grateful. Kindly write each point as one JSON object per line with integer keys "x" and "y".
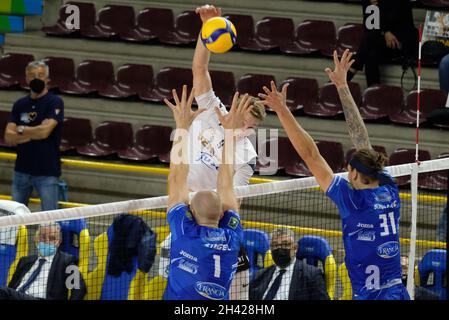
{"x": 274, "y": 99}
{"x": 234, "y": 120}
{"x": 338, "y": 76}
{"x": 207, "y": 12}
{"x": 182, "y": 111}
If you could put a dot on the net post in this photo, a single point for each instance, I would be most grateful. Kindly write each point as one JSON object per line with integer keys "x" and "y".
{"x": 412, "y": 248}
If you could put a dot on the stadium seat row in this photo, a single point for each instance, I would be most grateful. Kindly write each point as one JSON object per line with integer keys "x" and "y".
{"x": 153, "y": 143}
{"x": 383, "y": 103}
{"x": 426, "y": 3}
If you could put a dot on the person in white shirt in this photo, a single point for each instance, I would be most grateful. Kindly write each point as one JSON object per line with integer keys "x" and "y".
{"x": 206, "y": 138}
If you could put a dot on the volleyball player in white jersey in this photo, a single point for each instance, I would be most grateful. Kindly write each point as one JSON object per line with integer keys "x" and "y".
{"x": 206, "y": 137}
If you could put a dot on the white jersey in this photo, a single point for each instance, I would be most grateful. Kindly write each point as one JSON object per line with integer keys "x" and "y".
{"x": 206, "y": 139}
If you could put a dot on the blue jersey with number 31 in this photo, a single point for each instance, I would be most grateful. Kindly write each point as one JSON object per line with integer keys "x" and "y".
{"x": 370, "y": 221}
{"x": 203, "y": 260}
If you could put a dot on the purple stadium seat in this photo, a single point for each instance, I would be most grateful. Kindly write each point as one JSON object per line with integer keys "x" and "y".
{"x": 110, "y": 137}
{"x": 87, "y": 20}
{"x": 350, "y": 152}
{"x": 62, "y": 71}
{"x": 223, "y": 83}
{"x": 151, "y": 141}
{"x": 111, "y": 19}
{"x": 4, "y": 118}
{"x": 329, "y": 104}
{"x": 155, "y": 21}
{"x": 437, "y": 180}
{"x": 253, "y": 83}
{"x": 380, "y": 101}
{"x": 435, "y": 3}
{"x": 349, "y": 37}
{"x": 187, "y": 27}
{"x": 166, "y": 80}
{"x": 285, "y": 157}
{"x": 403, "y": 156}
{"x": 246, "y": 39}
{"x": 301, "y": 92}
{"x": 430, "y": 99}
{"x": 91, "y": 76}
{"x": 131, "y": 80}
{"x": 12, "y": 69}
{"x": 332, "y": 152}
{"x": 76, "y": 132}
{"x": 312, "y": 36}
{"x": 274, "y": 32}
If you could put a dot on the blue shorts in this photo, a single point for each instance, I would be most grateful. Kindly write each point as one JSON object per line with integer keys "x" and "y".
{"x": 397, "y": 292}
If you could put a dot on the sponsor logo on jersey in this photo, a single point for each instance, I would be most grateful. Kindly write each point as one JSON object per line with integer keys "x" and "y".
{"x": 188, "y": 255}
{"x": 208, "y": 160}
{"x": 233, "y": 222}
{"x": 218, "y": 246}
{"x": 388, "y": 250}
{"x": 366, "y": 236}
{"x": 309, "y": 249}
{"x": 392, "y": 205}
{"x": 383, "y": 197}
{"x": 187, "y": 266}
{"x": 210, "y": 290}
{"x": 365, "y": 225}
{"x": 215, "y": 236}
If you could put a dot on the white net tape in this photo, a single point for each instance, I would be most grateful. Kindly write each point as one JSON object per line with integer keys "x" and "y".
{"x": 161, "y": 202}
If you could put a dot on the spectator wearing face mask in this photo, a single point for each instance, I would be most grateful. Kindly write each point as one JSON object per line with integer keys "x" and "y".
{"x": 46, "y": 275}
{"x": 289, "y": 278}
{"x": 35, "y": 128}
{"x": 420, "y": 292}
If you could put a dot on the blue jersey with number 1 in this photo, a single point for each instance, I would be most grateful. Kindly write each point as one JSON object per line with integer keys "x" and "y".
{"x": 203, "y": 260}
{"x": 370, "y": 221}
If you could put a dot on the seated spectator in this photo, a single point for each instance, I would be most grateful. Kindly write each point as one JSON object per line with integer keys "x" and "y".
{"x": 442, "y": 224}
{"x": 32, "y": 279}
{"x": 289, "y": 278}
{"x": 420, "y": 292}
{"x": 397, "y": 37}
{"x": 441, "y": 115}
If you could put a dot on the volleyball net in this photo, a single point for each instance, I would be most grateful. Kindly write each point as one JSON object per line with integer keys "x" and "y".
{"x": 122, "y": 248}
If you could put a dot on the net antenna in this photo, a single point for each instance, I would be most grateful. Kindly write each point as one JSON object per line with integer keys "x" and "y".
{"x": 414, "y": 184}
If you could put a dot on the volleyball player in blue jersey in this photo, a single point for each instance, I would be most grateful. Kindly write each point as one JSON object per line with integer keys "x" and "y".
{"x": 368, "y": 203}
{"x": 205, "y": 235}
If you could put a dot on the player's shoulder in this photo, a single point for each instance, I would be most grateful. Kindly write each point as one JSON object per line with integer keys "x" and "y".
{"x": 179, "y": 207}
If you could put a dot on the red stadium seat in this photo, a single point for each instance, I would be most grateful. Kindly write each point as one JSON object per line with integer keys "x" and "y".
{"x": 312, "y": 36}
{"x": 269, "y": 162}
{"x": 223, "y": 83}
{"x": 62, "y": 71}
{"x": 87, "y": 20}
{"x": 155, "y": 21}
{"x": 381, "y": 101}
{"x": 436, "y": 3}
{"x": 329, "y": 104}
{"x": 132, "y": 79}
{"x": 186, "y": 30}
{"x": 12, "y": 69}
{"x": 246, "y": 39}
{"x": 350, "y": 152}
{"x": 430, "y": 99}
{"x": 76, "y": 132}
{"x": 110, "y": 137}
{"x": 92, "y": 76}
{"x": 252, "y": 83}
{"x": 110, "y": 21}
{"x": 301, "y": 92}
{"x": 274, "y": 32}
{"x": 436, "y": 180}
{"x": 403, "y": 156}
{"x": 332, "y": 152}
{"x": 151, "y": 141}
{"x": 166, "y": 80}
{"x": 4, "y": 119}
{"x": 349, "y": 37}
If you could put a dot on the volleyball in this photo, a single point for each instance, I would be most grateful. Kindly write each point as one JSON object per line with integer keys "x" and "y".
{"x": 218, "y": 35}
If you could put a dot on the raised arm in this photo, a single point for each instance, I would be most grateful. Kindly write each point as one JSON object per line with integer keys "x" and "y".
{"x": 231, "y": 122}
{"x": 178, "y": 192}
{"x": 200, "y": 66}
{"x": 301, "y": 140}
{"x": 356, "y": 126}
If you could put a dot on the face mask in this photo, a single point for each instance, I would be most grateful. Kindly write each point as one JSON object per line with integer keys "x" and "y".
{"x": 37, "y": 85}
{"x": 404, "y": 280}
{"x": 281, "y": 257}
{"x": 46, "y": 249}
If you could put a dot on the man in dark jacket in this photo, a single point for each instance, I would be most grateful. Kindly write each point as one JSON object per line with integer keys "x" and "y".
{"x": 49, "y": 275}
{"x": 289, "y": 278}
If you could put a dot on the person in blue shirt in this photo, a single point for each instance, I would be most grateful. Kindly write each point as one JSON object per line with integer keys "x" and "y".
{"x": 205, "y": 234}
{"x": 368, "y": 203}
{"x": 34, "y": 128}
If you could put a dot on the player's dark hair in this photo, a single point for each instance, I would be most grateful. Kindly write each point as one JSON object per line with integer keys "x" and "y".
{"x": 372, "y": 160}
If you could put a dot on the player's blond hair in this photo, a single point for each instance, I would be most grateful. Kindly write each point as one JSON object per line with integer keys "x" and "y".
{"x": 257, "y": 108}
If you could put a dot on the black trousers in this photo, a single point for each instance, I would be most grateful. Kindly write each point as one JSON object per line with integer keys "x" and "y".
{"x": 373, "y": 51}
{"x": 12, "y": 294}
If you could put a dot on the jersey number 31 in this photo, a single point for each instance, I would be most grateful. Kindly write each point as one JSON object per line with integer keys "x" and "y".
{"x": 385, "y": 224}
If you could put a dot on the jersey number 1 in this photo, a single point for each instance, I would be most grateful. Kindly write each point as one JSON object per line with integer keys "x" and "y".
{"x": 217, "y": 268}
{"x": 384, "y": 224}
